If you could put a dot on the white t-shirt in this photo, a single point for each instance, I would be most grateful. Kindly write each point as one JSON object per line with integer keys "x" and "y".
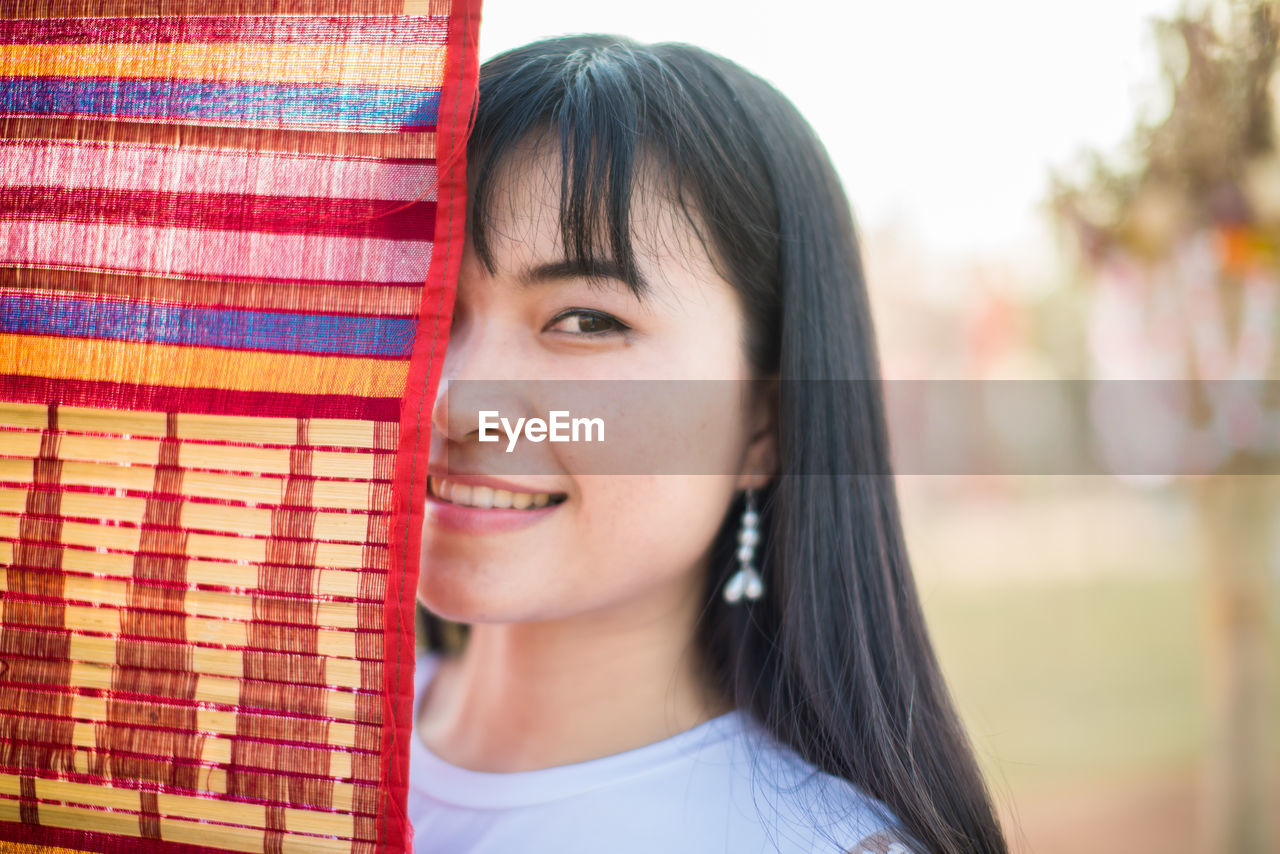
{"x": 722, "y": 786}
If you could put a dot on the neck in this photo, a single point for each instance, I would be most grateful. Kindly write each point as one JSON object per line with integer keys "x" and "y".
{"x": 531, "y": 695}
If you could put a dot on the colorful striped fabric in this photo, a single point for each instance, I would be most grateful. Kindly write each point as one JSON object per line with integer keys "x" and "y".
{"x": 229, "y": 232}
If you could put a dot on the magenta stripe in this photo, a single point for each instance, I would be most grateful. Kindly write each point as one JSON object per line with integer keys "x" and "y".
{"x": 198, "y": 252}
{"x": 19, "y": 388}
{"x": 256, "y": 29}
{"x": 376, "y": 219}
{"x": 162, "y": 168}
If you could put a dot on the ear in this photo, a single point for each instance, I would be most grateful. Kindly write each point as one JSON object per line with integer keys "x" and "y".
{"x": 760, "y": 460}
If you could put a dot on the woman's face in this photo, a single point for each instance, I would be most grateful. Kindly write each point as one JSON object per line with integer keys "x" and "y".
{"x": 578, "y": 537}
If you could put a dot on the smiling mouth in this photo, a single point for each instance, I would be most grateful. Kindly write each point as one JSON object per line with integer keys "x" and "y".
{"x": 488, "y": 498}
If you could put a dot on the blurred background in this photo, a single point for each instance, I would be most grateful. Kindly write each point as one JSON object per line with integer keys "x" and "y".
{"x": 1060, "y": 193}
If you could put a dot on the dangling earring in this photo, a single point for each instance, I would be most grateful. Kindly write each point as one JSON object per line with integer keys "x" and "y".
{"x": 746, "y": 581}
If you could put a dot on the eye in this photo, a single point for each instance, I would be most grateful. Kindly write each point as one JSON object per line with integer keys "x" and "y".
{"x": 582, "y": 321}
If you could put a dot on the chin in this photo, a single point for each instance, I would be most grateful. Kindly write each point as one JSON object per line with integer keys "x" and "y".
{"x": 461, "y": 594}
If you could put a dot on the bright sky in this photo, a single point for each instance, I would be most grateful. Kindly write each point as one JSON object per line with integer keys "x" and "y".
{"x": 942, "y": 117}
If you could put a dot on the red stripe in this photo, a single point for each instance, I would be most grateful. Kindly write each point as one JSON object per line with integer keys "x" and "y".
{"x": 303, "y": 640}
{"x": 378, "y": 219}
{"x": 18, "y": 388}
{"x": 183, "y": 8}
{"x": 219, "y": 30}
{"x": 39, "y": 655}
{"x": 382, "y": 497}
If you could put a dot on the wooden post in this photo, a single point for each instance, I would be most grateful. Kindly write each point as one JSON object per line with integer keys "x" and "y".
{"x": 1236, "y": 512}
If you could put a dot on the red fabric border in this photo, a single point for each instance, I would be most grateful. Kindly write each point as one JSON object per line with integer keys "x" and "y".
{"x": 455, "y": 114}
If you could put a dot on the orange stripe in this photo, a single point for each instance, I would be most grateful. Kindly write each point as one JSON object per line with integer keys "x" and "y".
{"x": 338, "y": 64}
{"x": 199, "y": 367}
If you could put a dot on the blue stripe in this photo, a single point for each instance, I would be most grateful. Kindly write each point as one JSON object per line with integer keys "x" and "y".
{"x": 206, "y": 327}
{"x": 230, "y": 102}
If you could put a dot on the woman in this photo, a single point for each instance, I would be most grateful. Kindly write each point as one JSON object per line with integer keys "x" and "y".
{"x": 728, "y": 659}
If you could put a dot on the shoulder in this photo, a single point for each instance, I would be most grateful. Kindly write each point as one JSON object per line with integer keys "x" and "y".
{"x": 883, "y": 842}
{"x": 811, "y": 810}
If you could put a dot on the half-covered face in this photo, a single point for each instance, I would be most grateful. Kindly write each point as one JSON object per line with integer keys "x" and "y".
{"x": 556, "y": 529}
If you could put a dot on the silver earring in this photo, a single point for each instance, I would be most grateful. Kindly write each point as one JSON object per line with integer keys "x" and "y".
{"x": 746, "y": 582}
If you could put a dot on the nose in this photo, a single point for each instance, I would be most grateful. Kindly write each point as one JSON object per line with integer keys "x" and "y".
{"x": 479, "y": 373}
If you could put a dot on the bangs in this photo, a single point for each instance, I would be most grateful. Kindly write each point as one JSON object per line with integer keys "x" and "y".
{"x": 586, "y": 105}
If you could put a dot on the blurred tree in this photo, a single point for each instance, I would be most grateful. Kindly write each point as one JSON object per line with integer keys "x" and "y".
{"x": 1179, "y": 243}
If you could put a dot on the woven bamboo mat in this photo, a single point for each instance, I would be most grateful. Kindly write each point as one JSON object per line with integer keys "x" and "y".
{"x": 228, "y": 235}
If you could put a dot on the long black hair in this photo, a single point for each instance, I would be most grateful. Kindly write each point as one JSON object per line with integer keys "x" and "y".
{"x": 835, "y": 660}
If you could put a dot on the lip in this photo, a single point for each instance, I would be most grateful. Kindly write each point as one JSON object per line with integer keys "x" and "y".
{"x": 484, "y": 480}
{"x": 477, "y": 520}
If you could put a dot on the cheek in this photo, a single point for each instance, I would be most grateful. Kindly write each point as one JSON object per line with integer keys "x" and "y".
{"x": 650, "y": 530}
{"x": 618, "y": 539}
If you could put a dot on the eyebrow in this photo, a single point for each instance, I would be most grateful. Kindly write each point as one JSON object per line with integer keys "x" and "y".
{"x": 596, "y": 269}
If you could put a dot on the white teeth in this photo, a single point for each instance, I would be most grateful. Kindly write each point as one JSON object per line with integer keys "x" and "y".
{"x": 486, "y": 497}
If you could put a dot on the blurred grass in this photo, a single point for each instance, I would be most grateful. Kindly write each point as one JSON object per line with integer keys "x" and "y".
{"x": 1070, "y": 681}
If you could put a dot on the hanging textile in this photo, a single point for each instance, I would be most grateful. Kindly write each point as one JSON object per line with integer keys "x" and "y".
{"x": 229, "y": 235}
